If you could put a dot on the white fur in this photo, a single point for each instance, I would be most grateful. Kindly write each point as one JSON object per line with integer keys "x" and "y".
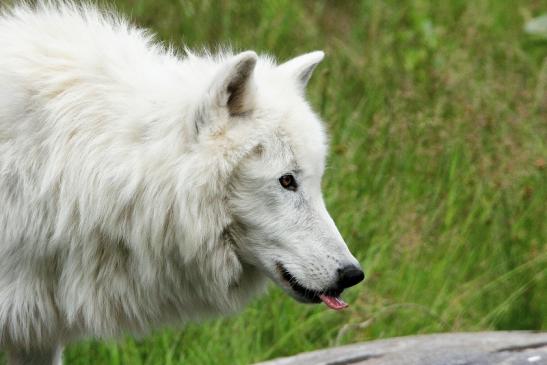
{"x": 135, "y": 192}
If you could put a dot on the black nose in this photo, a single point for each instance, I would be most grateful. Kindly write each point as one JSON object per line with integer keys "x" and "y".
{"x": 349, "y": 276}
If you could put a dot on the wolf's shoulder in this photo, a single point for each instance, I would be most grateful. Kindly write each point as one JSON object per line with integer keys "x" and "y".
{"x": 66, "y": 30}
{"x": 61, "y": 16}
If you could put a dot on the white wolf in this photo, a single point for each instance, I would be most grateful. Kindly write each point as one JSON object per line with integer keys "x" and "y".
{"x": 139, "y": 187}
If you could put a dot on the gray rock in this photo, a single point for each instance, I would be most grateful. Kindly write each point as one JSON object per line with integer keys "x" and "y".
{"x": 481, "y": 348}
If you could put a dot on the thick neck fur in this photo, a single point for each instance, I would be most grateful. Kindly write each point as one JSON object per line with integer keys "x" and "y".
{"x": 109, "y": 181}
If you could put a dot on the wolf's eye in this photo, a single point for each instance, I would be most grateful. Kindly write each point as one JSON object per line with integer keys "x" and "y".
{"x": 288, "y": 182}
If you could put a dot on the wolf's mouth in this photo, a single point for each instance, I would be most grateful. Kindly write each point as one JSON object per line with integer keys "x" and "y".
{"x": 331, "y": 297}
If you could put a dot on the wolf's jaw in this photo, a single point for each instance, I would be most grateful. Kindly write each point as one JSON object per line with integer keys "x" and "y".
{"x": 331, "y": 297}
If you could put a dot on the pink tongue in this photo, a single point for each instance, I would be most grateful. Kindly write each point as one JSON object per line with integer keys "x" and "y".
{"x": 335, "y": 303}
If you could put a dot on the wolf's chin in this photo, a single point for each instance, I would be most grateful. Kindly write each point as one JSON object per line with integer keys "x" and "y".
{"x": 300, "y": 292}
{"x": 304, "y": 299}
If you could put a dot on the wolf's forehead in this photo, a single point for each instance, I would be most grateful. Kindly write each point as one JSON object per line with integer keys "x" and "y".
{"x": 308, "y": 144}
{"x": 302, "y": 130}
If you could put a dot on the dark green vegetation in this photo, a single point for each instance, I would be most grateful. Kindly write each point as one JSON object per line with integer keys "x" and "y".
{"x": 437, "y": 175}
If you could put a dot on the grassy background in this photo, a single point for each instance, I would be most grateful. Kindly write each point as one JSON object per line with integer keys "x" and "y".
{"x": 437, "y": 176}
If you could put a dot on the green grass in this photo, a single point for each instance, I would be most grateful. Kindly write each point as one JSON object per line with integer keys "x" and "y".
{"x": 437, "y": 176}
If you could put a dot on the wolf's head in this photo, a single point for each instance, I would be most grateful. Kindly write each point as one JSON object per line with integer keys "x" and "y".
{"x": 279, "y": 220}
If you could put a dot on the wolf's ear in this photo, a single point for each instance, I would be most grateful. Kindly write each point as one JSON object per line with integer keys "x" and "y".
{"x": 301, "y": 67}
{"x": 233, "y": 87}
